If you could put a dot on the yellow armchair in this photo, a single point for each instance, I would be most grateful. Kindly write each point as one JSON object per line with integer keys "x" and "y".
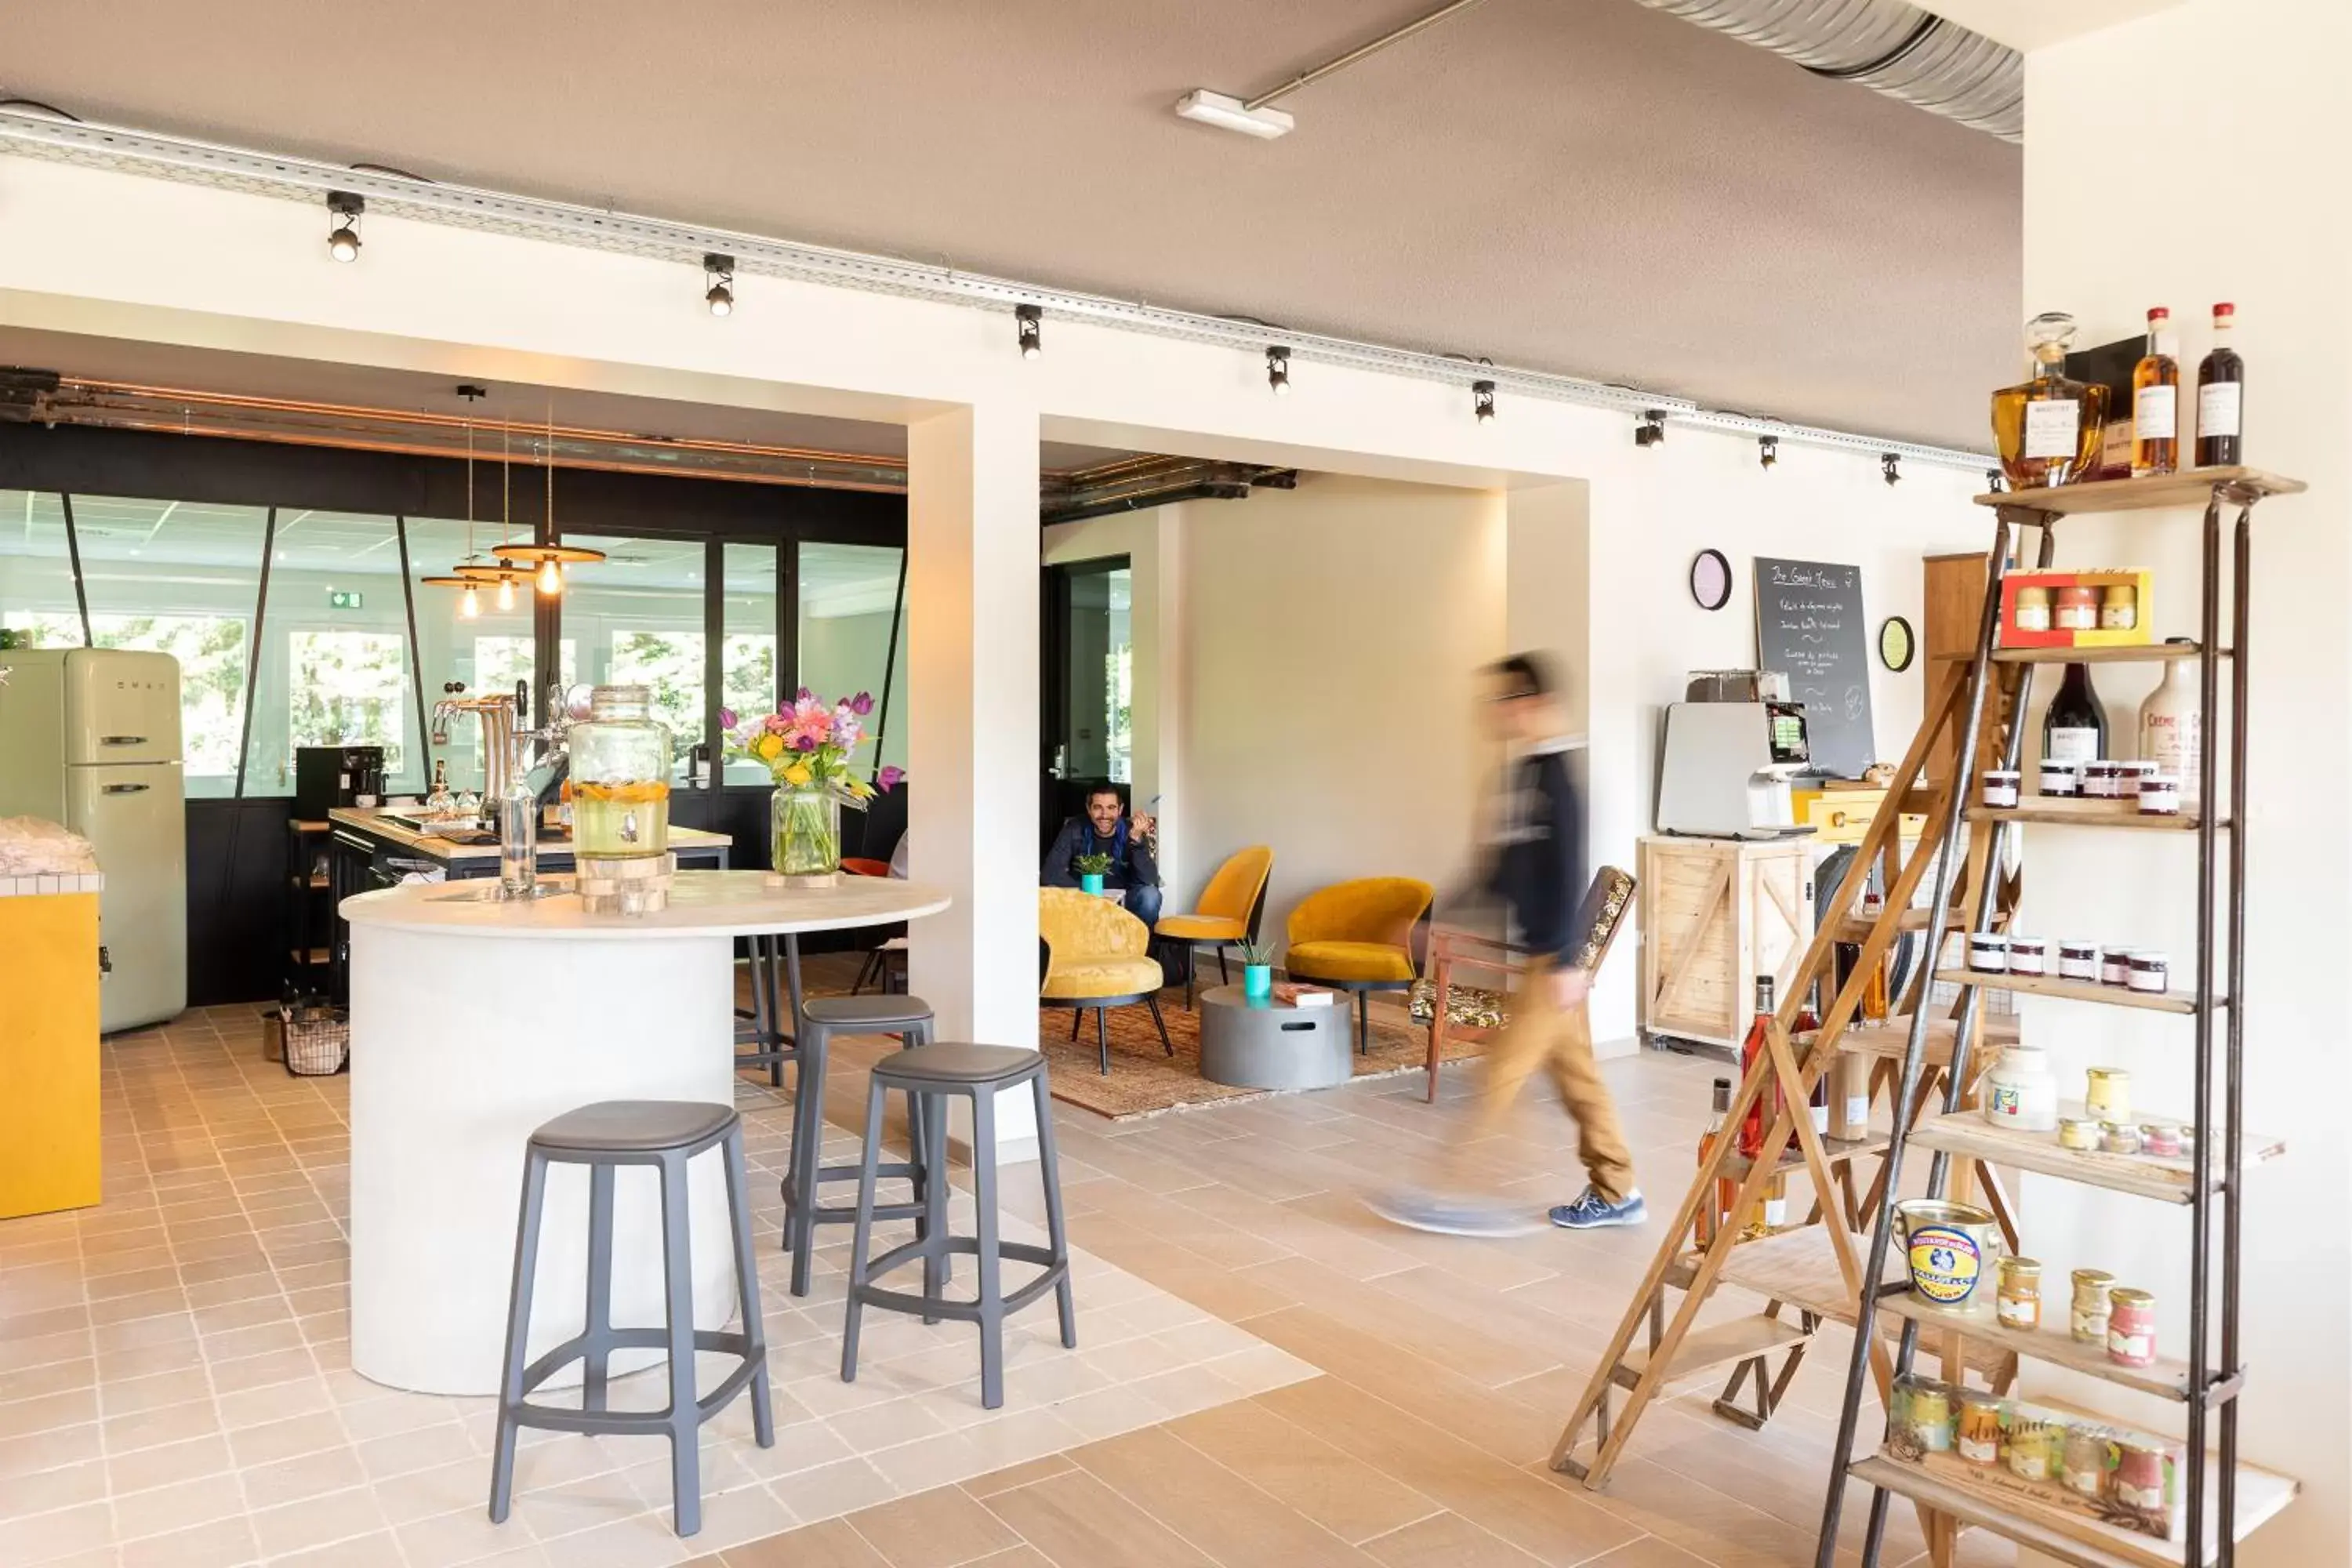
{"x": 1231, "y": 907}
{"x": 1361, "y": 936}
{"x": 1095, "y": 957}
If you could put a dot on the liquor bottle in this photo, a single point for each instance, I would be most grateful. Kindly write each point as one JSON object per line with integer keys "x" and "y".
{"x": 2074, "y": 728}
{"x": 2172, "y": 725}
{"x": 2155, "y": 401}
{"x": 1718, "y": 1204}
{"x": 2047, "y": 429}
{"x": 1875, "y": 1002}
{"x": 1809, "y": 1021}
{"x": 1751, "y": 1049}
{"x": 2221, "y": 396}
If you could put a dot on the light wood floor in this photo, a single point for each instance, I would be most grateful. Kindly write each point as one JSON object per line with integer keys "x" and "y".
{"x": 1448, "y": 1366}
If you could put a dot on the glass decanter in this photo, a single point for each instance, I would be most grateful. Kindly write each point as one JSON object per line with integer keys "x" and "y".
{"x": 2048, "y": 429}
{"x": 620, "y": 776}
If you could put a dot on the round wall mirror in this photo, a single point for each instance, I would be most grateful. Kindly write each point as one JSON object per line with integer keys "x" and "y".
{"x": 1710, "y": 580}
{"x": 1895, "y": 644}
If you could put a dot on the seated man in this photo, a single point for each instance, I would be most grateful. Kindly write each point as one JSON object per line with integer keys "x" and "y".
{"x": 1126, "y": 839}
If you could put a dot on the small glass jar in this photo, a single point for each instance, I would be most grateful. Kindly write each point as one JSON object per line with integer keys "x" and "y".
{"x": 2160, "y": 1140}
{"x": 1923, "y": 1411}
{"x": 2078, "y": 960}
{"x": 2030, "y": 610}
{"x": 2034, "y": 1449}
{"x": 2119, "y": 607}
{"x": 2021, "y": 1293}
{"x": 2085, "y": 1458}
{"x": 2139, "y": 1478}
{"x": 2115, "y": 966}
{"x": 2028, "y": 955}
{"x": 2160, "y": 795}
{"x": 1979, "y": 1439}
{"x": 1999, "y": 789}
{"x": 2021, "y": 1091}
{"x": 2150, "y": 971}
{"x": 620, "y": 776}
{"x": 2119, "y": 1137}
{"x": 2078, "y": 1132}
{"x": 2102, "y": 780}
{"x": 2107, "y": 1094}
{"x": 2063, "y": 780}
{"x": 2087, "y": 1322}
{"x": 1989, "y": 952}
{"x": 2131, "y": 1327}
{"x": 2075, "y": 610}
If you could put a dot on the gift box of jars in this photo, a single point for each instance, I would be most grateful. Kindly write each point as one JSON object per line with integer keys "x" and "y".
{"x": 2066, "y": 1461}
{"x": 2107, "y": 608}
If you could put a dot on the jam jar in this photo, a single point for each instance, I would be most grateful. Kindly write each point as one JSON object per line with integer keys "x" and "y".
{"x": 620, "y": 776}
{"x": 2078, "y": 959}
{"x": 2088, "y": 1319}
{"x": 2107, "y": 1094}
{"x": 2000, "y": 786}
{"x": 2061, "y": 779}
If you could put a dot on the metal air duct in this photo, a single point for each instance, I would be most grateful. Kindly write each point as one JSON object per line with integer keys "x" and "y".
{"x": 1886, "y": 44}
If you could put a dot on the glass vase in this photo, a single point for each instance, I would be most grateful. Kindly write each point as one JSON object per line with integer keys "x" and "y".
{"x": 804, "y": 838}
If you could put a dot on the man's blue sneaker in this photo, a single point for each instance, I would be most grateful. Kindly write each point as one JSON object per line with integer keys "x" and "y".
{"x": 1451, "y": 1216}
{"x": 1593, "y": 1211}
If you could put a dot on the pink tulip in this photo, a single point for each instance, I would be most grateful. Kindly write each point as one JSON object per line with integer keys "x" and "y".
{"x": 890, "y": 776}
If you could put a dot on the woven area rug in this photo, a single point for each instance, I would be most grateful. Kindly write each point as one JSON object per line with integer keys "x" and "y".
{"x": 1144, "y": 1082}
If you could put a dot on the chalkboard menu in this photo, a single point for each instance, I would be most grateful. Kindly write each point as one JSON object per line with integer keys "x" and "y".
{"x": 1809, "y": 625}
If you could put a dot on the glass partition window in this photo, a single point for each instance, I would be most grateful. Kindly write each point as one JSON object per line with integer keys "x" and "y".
{"x": 848, "y": 596}
{"x": 747, "y": 653}
{"x": 635, "y": 619}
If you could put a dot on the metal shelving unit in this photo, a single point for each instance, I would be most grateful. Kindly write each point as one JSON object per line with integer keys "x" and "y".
{"x": 2224, "y": 1499}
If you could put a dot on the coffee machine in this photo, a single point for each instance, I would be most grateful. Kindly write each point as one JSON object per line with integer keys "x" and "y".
{"x": 1730, "y": 748}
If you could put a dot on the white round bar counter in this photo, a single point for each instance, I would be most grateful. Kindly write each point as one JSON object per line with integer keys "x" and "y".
{"x": 474, "y": 1021}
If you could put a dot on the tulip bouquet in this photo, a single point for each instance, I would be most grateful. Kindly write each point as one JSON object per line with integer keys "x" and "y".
{"x": 808, "y": 748}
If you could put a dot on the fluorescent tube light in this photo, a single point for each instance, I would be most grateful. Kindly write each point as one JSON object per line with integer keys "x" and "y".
{"x": 1228, "y": 113}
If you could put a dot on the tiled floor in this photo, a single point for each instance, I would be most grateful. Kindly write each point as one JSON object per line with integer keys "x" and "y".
{"x": 174, "y": 1388}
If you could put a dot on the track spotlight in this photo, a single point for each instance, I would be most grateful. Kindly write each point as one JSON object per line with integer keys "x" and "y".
{"x": 1890, "y": 466}
{"x": 1767, "y": 450}
{"x": 343, "y": 234}
{"x": 1277, "y": 370}
{"x": 1650, "y": 428}
{"x": 719, "y": 268}
{"x": 1996, "y": 481}
{"x": 1029, "y": 325}
{"x": 1482, "y": 400}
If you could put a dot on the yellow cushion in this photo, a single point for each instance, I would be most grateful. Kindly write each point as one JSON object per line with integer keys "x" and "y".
{"x": 1233, "y": 891}
{"x": 1102, "y": 977}
{"x": 1202, "y": 928}
{"x": 1381, "y": 909}
{"x": 1076, "y": 923}
{"x": 1348, "y": 961}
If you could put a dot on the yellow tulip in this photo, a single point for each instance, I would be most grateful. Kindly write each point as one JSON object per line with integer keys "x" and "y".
{"x": 767, "y": 748}
{"x": 797, "y": 774}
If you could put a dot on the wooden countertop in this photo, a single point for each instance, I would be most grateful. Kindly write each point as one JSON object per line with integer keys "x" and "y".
{"x": 400, "y": 836}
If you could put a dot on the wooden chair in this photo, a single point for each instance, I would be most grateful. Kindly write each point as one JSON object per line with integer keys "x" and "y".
{"x": 1450, "y": 951}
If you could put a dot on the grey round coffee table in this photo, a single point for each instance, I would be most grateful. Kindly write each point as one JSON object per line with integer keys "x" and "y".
{"x": 1265, "y": 1045}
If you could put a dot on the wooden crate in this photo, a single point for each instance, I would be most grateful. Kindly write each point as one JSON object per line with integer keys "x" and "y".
{"x": 1715, "y": 913}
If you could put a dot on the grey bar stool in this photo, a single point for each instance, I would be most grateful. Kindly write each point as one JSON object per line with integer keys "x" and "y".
{"x": 934, "y": 1074}
{"x": 821, "y": 1018}
{"x": 761, "y": 1026}
{"x": 664, "y": 1133}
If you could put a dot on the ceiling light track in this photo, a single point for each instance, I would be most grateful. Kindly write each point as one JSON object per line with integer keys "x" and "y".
{"x": 495, "y": 212}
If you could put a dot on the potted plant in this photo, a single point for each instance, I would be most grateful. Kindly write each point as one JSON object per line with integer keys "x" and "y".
{"x": 1091, "y": 871}
{"x": 808, "y": 747}
{"x": 1258, "y": 970}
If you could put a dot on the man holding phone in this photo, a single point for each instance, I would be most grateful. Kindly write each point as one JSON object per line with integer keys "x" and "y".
{"x": 1108, "y": 829}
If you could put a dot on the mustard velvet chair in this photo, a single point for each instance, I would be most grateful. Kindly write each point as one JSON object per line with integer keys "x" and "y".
{"x": 1095, "y": 957}
{"x": 1362, "y": 936}
{"x": 1231, "y": 907}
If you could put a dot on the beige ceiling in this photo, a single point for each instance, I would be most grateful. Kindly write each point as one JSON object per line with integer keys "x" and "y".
{"x": 1580, "y": 185}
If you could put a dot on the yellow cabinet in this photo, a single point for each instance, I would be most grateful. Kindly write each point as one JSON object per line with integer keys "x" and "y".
{"x": 49, "y": 1044}
{"x": 1844, "y": 816}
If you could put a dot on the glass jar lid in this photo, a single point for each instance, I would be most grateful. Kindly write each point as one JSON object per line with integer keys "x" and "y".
{"x": 607, "y": 703}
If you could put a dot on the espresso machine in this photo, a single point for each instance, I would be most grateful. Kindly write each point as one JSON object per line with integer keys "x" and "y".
{"x": 1730, "y": 748}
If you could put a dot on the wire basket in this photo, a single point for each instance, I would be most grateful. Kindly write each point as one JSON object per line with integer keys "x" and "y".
{"x": 318, "y": 1040}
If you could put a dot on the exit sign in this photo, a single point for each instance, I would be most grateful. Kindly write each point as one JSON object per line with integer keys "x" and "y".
{"x": 344, "y": 599}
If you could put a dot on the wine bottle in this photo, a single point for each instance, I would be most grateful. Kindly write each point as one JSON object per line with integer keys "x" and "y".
{"x": 2155, "y": 401}
{"x": 1751, "y": 1051}
{"x": 2221, "y": 396}
{"x": 1711, "y": 1213}
{"x": 2074, "y": 729}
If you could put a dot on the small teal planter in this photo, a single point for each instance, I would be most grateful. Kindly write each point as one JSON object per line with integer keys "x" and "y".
{"x": 1257, "y": 981}
{"x": 1091, "y": 881}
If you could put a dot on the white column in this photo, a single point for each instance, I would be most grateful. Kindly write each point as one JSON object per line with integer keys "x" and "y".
{"x": 971, "y": 732}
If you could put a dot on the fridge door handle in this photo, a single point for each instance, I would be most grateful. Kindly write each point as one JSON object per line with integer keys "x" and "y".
{"x": 123, "y": 739}
{"x": 122, "y": 788}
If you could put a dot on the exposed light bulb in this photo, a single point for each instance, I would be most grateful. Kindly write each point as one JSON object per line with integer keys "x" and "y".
{"x": 721, "y": 300}
{"x": 469, "y": 604}
{"x": 719, "y": 268}
{"x": 506, "y": 593}
{"x": 550, "y": 581}
{"x": 344, "y": 236}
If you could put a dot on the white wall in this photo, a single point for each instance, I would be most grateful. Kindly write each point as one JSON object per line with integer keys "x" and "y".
{"x": 1329, "y": 702}
{"x": 2240, "y": 99}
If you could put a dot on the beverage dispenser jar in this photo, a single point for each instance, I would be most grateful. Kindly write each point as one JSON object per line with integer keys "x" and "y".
{"x": 620, "y": 777}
